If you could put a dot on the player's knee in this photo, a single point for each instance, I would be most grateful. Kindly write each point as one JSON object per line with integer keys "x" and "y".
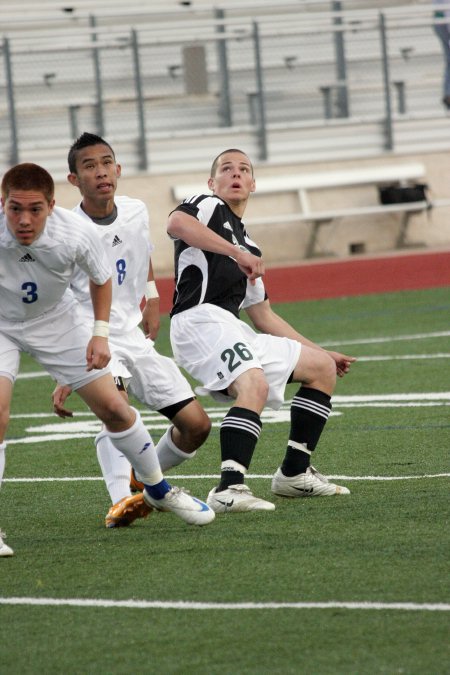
{"x": 195, "y": 430}
{"x": 252, "y": 386}
{"x": 116, "y": 413}
{"x": 262, "y": 389}
{"x": 4, "y": 419}
{"x": 198, "y": 437}
{"x": 204, "y": 430}
{"x": 327, "y": 370}
{"x": 4, "y": 411}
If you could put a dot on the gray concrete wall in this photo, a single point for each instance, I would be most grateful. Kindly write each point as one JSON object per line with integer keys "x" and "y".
{"x": 286, "y": 243}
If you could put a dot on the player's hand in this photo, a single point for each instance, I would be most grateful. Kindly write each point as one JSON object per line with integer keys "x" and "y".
{"x": 151, "y": 318}
{"x": 97, "y": 353}
{"x": 251, "y": 265}
{"x": 343, "y": 362}
{"x": 59, "y": 396}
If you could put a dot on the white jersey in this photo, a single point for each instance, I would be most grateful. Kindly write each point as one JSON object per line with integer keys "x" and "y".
{"x": 34, "y": 278}
{"x": 128, "y": 247}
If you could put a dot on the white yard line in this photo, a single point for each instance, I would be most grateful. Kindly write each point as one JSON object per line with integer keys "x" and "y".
{"x": 386, "y": 338}
{"x": 439, "y": 397}
{"x": 405, "y": 357}
{"x": 359, "y": 341}
{"x": 185, "y": 604}
{"x": 212, "y": 476}
{"x": 395, "y": 357}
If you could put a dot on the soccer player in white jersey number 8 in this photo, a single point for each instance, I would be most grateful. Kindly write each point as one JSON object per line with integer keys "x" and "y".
{"x": 40, "y": 244}
{"x": 218, "y": 271}
{"x": 122, "y": 224}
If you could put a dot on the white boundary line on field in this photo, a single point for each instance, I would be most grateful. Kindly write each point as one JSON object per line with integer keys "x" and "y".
{"x": 394, "y": 338}
{"x": 405, "y": 357}
{"x": 389, "y": 357}
{"x": 180, "y": 604}
{"x": 215, "y": 476}
{"x": 359, "y": 341}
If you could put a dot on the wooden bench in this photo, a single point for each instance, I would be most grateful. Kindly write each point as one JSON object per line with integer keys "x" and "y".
{"x": 302, "y": 184}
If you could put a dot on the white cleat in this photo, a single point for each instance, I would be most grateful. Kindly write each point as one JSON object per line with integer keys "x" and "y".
{"x": 190, "y": 509}
{"x": 5, "y": 550}
{"x": 237, "y": 499}
{"x": 308, "y": 484}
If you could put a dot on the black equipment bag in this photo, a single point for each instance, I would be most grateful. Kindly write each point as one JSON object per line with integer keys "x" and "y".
{"x": 398, "y": 194}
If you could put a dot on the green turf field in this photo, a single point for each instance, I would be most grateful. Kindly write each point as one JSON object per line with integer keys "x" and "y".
{"x": 348, "y": 585}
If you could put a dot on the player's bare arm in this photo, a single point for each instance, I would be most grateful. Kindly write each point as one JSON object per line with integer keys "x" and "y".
{"x": 151, "y": 319}
{"x": 190, "y": 230}
{"x": 266, "y": 320}
{"x": 97, "y": 353}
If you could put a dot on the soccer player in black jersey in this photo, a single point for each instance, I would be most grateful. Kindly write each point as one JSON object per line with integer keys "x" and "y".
{"x": 218, "y": 272}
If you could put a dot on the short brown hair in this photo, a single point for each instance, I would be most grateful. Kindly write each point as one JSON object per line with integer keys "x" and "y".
{"x": 28, "y": 176}
{"x": 225, "y": 152}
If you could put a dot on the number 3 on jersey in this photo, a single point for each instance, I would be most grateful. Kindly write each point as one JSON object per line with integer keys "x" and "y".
{"x": 121, "y": 270}
{"x": 30, "y": 289}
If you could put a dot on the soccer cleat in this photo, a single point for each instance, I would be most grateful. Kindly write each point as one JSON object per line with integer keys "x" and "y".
{"x": 189, "y": 509}
{"x": 308, "y": 484}
{"x": 5, "y": 550}
{"x": 135, "y": 484}
{"x": 126, "y": 511}
{"x": 236, "y": 499}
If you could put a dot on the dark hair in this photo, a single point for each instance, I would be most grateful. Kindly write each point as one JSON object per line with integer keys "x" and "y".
{"x": 28, "y": 176}
{"x": 84, "y": 141}
{"x": 225, "y": 152}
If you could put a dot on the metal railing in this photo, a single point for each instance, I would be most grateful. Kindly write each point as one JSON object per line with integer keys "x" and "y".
{"x": 143, "y": 83}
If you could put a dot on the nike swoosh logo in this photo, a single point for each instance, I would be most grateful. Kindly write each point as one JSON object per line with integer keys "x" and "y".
{"x": 204, "y": 506}
{"x": 225, "y": 503}
{"x": 308, "y": 490}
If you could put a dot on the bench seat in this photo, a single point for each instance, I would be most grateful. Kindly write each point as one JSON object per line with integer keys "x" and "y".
{"x": 303, "y": 183}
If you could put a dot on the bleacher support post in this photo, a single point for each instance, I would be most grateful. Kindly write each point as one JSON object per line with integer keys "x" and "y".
{"x": 389, "y": 136}
{"x": 73, "y": 121}
{"x": 341, "y": 67}
{"x": 11, "y": 103}
{"x": 98, "y": 79}
{"x": 225, "y": 113}
{"x": 262, "y": 131}
{"x": 142, "y": 145}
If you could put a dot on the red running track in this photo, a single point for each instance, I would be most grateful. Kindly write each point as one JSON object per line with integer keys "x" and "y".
{"x": 336, "y": 278}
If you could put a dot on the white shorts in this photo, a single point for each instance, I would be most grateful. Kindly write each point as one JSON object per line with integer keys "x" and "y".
{"x": 153, "y": 379}
{"x": 57, "y": 340}
{"x": 215, "y": 348}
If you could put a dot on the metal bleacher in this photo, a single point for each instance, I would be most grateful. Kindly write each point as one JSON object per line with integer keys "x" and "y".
{"x": 55, "y": 90}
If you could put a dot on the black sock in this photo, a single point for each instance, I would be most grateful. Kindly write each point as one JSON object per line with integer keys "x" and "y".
{"x": 309, "y": 412}
{"x": 239, "y": 433}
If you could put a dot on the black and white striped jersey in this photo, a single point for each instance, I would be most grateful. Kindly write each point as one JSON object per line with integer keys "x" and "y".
{"x": 205, "y": 277}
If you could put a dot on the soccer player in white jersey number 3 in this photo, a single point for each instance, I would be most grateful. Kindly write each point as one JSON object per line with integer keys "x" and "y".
{"x": 123, "y": 226}
{"x": 218, "y": 271}
{"x": 40, "y": 244}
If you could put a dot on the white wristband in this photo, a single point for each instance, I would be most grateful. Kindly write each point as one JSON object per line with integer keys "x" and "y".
{"x": 151, "y": 291}
{"x": 101, "y": 329}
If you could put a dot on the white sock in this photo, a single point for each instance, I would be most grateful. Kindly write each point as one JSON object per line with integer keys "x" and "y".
{"x": 2, "y": 460}
{"x": 115, "y": 468}
{"x": 168, "y": 453}
{"x": 137, "y": 445}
